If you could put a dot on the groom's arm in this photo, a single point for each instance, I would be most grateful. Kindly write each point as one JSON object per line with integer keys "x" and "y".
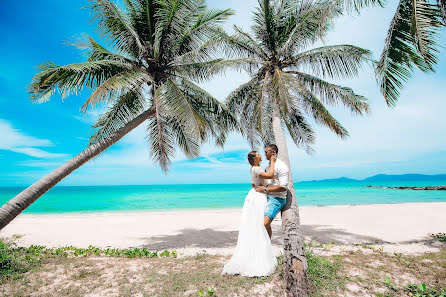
{"x": 282, "y": 174}
{"x": 277, "y": 188}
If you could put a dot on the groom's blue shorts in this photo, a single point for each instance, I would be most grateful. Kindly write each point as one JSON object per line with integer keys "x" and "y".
{"x": 273, "y": 206}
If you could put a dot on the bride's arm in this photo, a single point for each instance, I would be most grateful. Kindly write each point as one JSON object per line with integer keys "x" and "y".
{"x": 270, "y": 173}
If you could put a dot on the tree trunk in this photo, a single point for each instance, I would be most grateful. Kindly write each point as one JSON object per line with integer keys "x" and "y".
{"x": 19, "y": 203}
{"x": 293, "y": 241}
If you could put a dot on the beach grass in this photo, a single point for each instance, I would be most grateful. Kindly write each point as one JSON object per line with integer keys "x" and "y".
{"x": 40, "y": 271}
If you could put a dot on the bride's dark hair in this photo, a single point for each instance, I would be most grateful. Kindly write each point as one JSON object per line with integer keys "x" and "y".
{"x": 251, "y": 156}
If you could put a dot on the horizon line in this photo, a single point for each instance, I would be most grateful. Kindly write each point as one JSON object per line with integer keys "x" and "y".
{"x": 246, "y": 183}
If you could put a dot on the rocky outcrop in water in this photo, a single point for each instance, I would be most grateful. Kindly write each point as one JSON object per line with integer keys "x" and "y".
{"x": 433, "y": 188}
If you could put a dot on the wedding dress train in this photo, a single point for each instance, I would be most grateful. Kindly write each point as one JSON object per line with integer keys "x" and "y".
{"x": 253, "y": 254}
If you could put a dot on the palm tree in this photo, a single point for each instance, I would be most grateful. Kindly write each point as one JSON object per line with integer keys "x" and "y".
{"x": 160, "y": 48}
{"x": 412, "y": 40}
{"x": 287, "y": 85}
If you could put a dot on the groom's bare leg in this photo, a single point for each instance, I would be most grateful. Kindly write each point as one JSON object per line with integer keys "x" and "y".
{"x": 267, "y": 223}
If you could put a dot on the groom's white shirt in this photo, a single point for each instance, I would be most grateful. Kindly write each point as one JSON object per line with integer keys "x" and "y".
{"x": 280, "y": 177}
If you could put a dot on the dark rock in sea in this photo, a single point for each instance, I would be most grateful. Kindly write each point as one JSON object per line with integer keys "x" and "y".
{"x": 430, "y": 188}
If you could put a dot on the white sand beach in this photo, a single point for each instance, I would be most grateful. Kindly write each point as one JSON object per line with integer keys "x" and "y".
{"x": 396, "y": 227}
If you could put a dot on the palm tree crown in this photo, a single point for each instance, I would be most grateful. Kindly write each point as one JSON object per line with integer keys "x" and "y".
{"x": 159, "y": 49}
{"x": 288, "y": 76}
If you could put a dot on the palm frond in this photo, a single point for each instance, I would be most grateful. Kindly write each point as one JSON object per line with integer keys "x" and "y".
{"x": 161, "y": 141}
{"x": 333, "y": 94}
{"x": 96, "y": 52}
{"x": 337, "y": 61}
{"x": 170, "y": 23}
{"x": 218, "y": 118}
{"x": 250, "y": 123}
{"x": 265, "y": 25}
{"x": 202, "y": 71}
{"x": 404, "y": 48}
{"x": 128, "y": 107}
{"x": 426, "y": 21}
{"x": 250, "y": 104}
{"x": 149, "y": 7}
{"x": 305, "y": 23}
{"x": 206, "y": 25}
{"x": 300, "y": 130}
{"x": 141, "y": 14}
{"x": 72, "y": 78}
{"x": 237, "y": 98}
{"x": 115, "y": 86}
{"x": 116, "y": 27}
{"x": 312, "y": 105}
{"x": 358, "y": 5}
{"x": 442, "y": 6}
{"x": 176, "y": 103}
{"x": 238, "y": 45}
{"x": 245, "y": 41}
{"x": 187, "y": 142}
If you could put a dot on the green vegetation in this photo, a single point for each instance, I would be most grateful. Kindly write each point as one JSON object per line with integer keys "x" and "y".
{"x": 324, "y": 274}
{"x": 411, "y": 290}
{"x": 203, "y": 270}
{"x": 413, "y": 39}
{"x": 439, "y": 236}
{"x": 210, "y": 292}
{"x": 423, "y": 291}
{"x": 16, "y": 260}
{"x": 129, "y": 272}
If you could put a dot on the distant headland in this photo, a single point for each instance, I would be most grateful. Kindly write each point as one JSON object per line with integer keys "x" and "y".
{"x": 383, "y": 178}
{"x": 431, "y": 188}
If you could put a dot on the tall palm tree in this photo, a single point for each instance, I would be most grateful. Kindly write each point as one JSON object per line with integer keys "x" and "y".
{"x": 412, "y": 40}
{"x": 287, "y": 85}
{"x": 159, "y": 49}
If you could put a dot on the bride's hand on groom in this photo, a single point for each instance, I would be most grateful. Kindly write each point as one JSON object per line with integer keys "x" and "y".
{"x": 273, "y": 158}
{"x": 260, "y": 189}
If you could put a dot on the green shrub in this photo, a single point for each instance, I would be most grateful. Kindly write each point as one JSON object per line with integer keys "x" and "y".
{"x": 439, "y": 236}
{"x": 422, "y": 291}
{"x": 17, "y": 260}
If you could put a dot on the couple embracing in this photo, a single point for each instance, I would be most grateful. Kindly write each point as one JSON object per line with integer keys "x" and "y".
{"x": 254, "y": 254}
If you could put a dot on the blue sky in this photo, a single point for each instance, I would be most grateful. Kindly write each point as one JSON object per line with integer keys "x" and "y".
{"x": 37, "y": 138}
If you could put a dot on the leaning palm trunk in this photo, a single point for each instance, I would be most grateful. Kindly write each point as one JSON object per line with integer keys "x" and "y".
{"x": 293, "y": 243}
{"x": 16, "y": 205}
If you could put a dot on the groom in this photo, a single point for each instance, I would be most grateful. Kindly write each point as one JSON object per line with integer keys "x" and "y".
{"x": 276, "y": 189}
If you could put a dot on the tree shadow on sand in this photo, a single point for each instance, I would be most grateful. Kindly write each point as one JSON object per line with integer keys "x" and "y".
{"x": 209, "y": 238}
{"x": 325, "y": 234}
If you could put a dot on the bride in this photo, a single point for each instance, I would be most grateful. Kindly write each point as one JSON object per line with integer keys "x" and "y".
{"x": 253, "y": 254}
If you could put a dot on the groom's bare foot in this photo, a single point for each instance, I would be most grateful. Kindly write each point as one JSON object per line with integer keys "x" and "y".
{"x": 267, "y": 223}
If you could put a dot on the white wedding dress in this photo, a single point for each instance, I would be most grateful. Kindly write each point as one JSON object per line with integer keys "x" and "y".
{"x": 253, "y": 254}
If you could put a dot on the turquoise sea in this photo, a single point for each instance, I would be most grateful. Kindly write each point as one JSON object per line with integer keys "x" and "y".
{"x": 68, "y": 199}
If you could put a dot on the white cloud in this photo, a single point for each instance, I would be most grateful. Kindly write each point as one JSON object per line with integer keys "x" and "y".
{"x": 37, "y": 153}
{"x": 40, "y": 163}
{"x": 90, "y": 116}
{"x": 14, "y": 140}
